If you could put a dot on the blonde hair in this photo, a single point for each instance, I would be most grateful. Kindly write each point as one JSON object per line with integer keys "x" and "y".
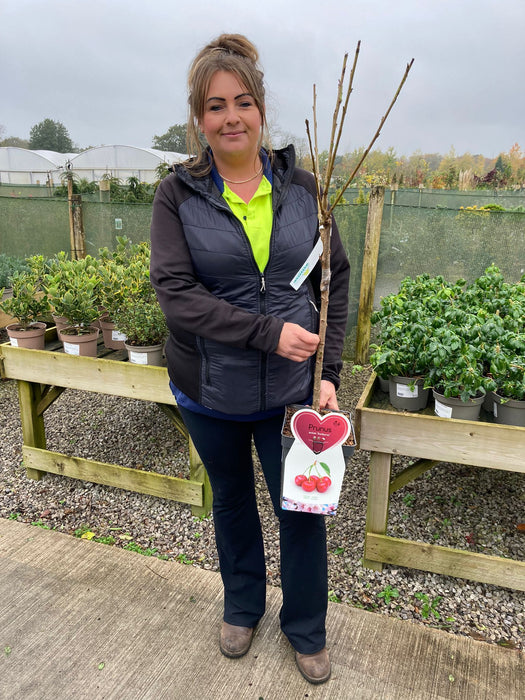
{"x": 235, "y": 54}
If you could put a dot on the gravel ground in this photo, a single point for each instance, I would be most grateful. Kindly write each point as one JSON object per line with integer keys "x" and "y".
{"x": 465, "y": 507}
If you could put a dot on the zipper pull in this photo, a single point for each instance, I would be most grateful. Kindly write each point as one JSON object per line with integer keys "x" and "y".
{"x": 263, "y": 285}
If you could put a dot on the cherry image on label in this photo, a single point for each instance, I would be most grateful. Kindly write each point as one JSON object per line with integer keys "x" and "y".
{"x": 310, "y": 482}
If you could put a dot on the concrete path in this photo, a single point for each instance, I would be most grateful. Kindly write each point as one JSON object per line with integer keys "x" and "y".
{"x": 85, "y": 620}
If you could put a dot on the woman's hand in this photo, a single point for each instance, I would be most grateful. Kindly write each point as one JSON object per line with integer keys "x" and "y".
{"x": 328, "y": 397}
{"x": 296, "y": 343}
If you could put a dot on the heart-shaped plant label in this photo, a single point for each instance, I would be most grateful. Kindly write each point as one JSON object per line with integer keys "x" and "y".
{"x": 319, "y": 433}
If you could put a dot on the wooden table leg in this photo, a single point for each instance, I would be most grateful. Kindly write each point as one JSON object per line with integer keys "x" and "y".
{"x": 378, "y": 498}
{"x": 199, "y": 473}
{"x": 197, "y": 470}
{"x": 33, "y": 430}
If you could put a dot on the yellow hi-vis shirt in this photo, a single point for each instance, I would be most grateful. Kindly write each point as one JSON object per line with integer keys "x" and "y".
{"x": 256, "y": 216}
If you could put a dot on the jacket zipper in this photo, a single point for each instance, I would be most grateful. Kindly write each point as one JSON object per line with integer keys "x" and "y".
{"x": 264, "y": 356}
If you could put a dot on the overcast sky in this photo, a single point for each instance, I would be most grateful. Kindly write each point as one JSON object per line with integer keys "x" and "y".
{"x": 114, "y": 71}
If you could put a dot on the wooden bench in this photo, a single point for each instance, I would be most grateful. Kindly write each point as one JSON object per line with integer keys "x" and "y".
{"x": 387, "y": 432}
{"x": 42, "y": 376}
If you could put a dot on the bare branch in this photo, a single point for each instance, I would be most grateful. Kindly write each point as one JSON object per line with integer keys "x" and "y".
{"x": 322, "y": 187}
{"x": 316, "y": 151}
{"x": 315, "y": 164}
{"x": 374, "y": 139}
{"x": 333, "y": 151}
{"x": 345, "y": 107}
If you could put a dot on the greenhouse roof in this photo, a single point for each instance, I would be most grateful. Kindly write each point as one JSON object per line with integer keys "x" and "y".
{"x": 23, "y": 160}
{"x": 21, "y": 165}
{"x": 124, "y": 157}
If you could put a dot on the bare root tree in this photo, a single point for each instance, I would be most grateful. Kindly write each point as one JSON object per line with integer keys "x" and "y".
{"x": 322, "y": 182}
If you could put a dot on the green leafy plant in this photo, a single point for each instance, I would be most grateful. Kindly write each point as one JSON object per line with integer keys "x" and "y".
{"x": 183, "y": 559}
{"x": 28, "y": 302}
{"x": 465, "y": 340}
{"x": 429, "y": 607}
{"x": 388, "y": 594}
{"x": 8, "y": 266}
{"x": 71, "y": 287}
{"x": 406, "y": 321}
{"x": 145, "y": 551}
{"x": 142, "y": 321}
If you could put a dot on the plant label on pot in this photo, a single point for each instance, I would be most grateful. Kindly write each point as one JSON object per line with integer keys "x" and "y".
{"x": 118, "y": 336}
{"x": 71, "y": 348}
{"x": 407, "y": 391}
{"x": 314, "y": 466}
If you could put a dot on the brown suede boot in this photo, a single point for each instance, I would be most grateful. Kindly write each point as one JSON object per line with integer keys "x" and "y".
{"x": 235, "y": 641}
{"x": 314, "y": 667}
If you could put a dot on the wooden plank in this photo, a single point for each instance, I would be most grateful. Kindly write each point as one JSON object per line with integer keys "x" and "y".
{"x": 173, "y": 414}
{"x": 199, "y": 473}
{"x": 498, "y": 571}
{"x": 378, "y": 500}
{"x": 49, "y": 395}
{"x": 410, "y": 473}
{"x": 160, "y": 485}
{"x": 88, "y": 373}
{"x": 490, "y": 445}
{"x": 6, "y": 320}
{"x": 364, "y": 401}
{"x": 33, "y": 427}
{"x": 33, "y": 430}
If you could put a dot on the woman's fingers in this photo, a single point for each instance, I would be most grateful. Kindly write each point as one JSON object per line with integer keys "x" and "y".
{"x": 296, "y": 343}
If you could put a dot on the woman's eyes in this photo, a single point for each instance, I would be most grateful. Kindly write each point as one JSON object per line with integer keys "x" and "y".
{"x": 245, "y": 104}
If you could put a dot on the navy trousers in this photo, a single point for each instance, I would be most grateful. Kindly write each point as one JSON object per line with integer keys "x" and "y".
{"x": 225, "y": 448}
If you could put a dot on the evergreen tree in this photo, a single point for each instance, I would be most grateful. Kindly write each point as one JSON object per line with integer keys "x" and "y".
{"x": 50, "y": 135}
{"x": 173, "y": 140}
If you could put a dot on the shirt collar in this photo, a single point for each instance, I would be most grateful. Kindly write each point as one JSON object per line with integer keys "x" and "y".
{"x": 267, "y": 170}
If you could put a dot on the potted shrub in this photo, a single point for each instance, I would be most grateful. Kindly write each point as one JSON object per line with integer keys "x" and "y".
{"x": 507, "y": 369}
{"x": 144, "y": 325}
{"x": 28, "y": 303}
{"x": 122, "y": 273}
{"x": 406, "y": 322}
{"x": 71, "y": 287}
{"x": 456, "y": 372}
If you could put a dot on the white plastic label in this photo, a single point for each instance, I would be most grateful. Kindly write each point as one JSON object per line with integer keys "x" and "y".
{"x": 117, "y": 335}
{"x": 138, "y": 358}
{"x": 71, "y": 349}
{"x": 495, "y": 409}
{"x": 407, "y": 391}
{"x": 308, "y": 265}
{"x": 14, "y": 342}
{"x": 442, "y": 411}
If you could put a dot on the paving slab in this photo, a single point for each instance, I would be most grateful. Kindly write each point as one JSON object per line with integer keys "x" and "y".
{"x": 84, "y": 620}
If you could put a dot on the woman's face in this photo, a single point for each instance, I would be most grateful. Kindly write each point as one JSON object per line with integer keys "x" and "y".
{"x": 231, "y": 121}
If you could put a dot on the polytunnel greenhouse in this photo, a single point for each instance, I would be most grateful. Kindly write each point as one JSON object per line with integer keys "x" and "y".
{"x": 24, "y": 167}
{"x": 20, "y": 166}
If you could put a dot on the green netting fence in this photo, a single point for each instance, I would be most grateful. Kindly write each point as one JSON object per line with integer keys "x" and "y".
{"x": 415, "y": 238}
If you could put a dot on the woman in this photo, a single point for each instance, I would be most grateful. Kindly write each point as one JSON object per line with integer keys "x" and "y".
{"x": 230, "y": 229}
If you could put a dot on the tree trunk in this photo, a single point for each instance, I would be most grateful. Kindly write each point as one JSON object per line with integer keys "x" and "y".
{"x": 326, "y": 232}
